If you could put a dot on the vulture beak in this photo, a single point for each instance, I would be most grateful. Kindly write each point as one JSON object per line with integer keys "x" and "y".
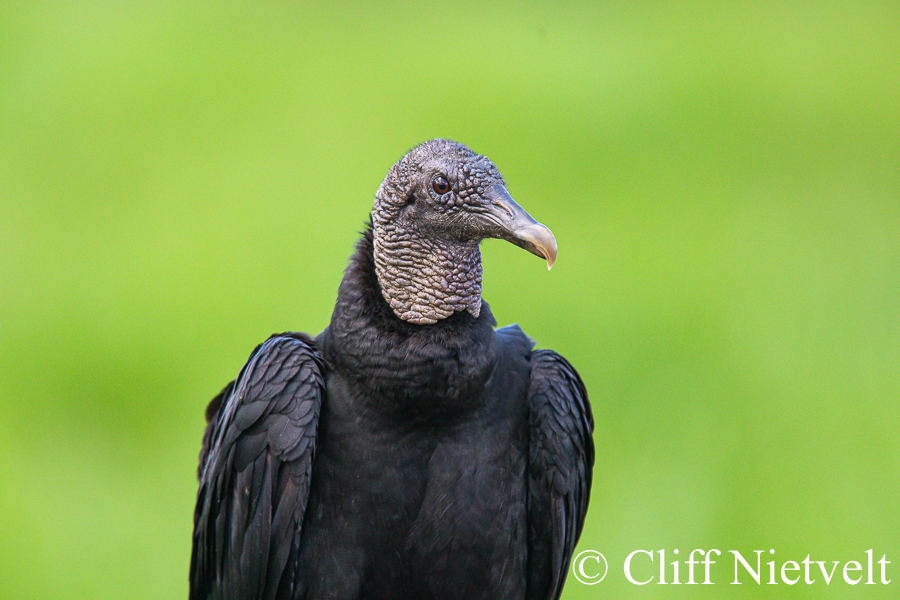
{"x": 518, "y": 227}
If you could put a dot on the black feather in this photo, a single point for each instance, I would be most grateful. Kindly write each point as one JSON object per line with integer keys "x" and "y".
{"x": 253, "y": 482}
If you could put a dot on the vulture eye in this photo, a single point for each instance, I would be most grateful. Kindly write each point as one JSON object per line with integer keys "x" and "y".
{"x": 440, "y": 185}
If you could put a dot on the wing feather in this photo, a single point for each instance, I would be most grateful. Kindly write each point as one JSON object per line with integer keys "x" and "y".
{"x": 561, "y": 458}
{"x": 255, "y": 470}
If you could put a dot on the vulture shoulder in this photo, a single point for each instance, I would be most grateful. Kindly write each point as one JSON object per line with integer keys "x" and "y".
{"x": 560, "y": 460}
{"x": 254, "y": 472}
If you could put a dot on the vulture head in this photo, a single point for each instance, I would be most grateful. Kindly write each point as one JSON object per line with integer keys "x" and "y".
{"x": 430, "y": 214}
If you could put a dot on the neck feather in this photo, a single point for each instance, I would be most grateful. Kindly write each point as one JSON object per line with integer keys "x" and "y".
{"x": 431, "y": 368}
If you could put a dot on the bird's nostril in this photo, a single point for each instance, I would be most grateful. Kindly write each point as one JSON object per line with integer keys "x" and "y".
{"x": 505, "y": 207}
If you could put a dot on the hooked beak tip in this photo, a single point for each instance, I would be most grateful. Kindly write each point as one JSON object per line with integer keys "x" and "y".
{"x": 538, "y": 239}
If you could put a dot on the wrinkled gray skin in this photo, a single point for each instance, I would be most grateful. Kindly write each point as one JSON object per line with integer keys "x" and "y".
{"x": 426, "y": 244}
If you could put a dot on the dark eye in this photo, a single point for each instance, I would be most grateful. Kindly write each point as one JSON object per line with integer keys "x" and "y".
{"x": 440, "y": 185}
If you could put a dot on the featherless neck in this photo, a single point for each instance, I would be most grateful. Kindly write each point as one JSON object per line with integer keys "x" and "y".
{"x": 425, "y": 280}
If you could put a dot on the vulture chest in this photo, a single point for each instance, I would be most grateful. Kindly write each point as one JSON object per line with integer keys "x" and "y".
{"x": 432, "y": 505}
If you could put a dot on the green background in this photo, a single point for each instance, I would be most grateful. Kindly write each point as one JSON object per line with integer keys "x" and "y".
{"x": 180, "y": 179}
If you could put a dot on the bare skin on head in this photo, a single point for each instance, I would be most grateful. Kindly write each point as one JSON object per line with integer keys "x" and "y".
{"x": 430, "y": 215}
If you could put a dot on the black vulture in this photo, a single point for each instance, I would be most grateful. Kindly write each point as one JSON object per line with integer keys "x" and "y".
{"x": 410, "y": 450}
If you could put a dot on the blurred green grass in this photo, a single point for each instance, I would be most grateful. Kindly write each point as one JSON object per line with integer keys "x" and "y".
{"x": 179, "y": 180}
